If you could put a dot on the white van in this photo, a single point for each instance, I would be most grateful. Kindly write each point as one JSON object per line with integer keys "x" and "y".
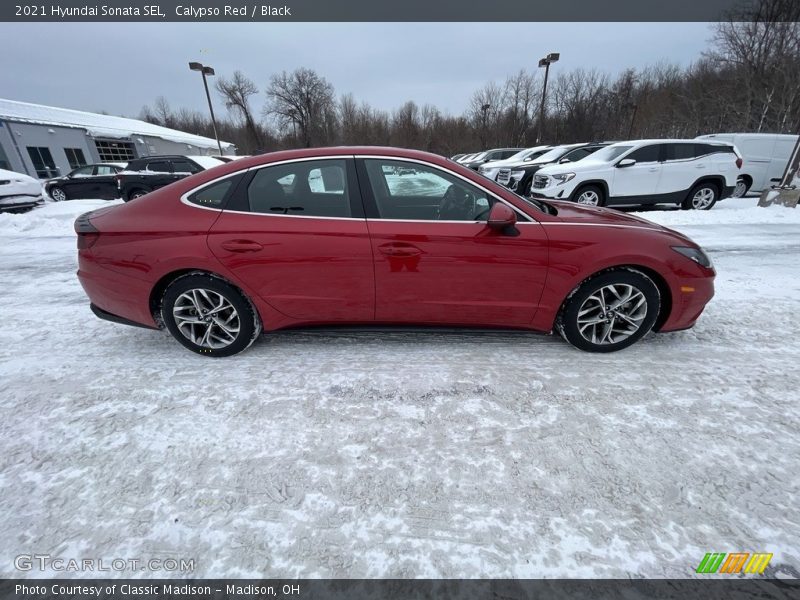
{"x": 765, "y": 158}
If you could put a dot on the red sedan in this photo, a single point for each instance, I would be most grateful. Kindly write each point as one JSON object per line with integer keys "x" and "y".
{"x": 380, "y": 236}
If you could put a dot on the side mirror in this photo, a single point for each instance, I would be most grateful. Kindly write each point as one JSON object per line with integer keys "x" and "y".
{"x": 564, "y": 160}
{"x": 501, "y": 217}
{"x": 626, "y": 162}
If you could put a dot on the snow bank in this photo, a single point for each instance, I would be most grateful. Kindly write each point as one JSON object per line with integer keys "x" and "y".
{"x": 51, "y": 219}
{"x": 733, "y": 211}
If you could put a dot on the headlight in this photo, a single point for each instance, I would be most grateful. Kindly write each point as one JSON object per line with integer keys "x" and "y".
{"x": 694, "y": 254}
{"x": 563, "y": 177}
{"x": 518, "y": 174}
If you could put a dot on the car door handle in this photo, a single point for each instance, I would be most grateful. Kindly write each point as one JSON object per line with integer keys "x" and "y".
{"x": 399, "y": 250}
{"x": 653, "y": 169}
{"x": 699, "y": 166}
{"x": 241, "y": 246}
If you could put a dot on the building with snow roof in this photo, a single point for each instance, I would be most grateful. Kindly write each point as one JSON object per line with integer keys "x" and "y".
{"x": 45, "y": 141}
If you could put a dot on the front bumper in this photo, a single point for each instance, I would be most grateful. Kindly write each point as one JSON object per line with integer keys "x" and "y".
{"x": 19, "y": 202}
{"x": 689, "y": 299}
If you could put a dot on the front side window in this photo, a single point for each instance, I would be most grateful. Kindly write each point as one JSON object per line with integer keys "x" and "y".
{"x": 424, "y": 193}
{"x": 82, "y": 172}
{"x": 646, "y": 154}
{"x": 106, "y": 170}
{"x": 313, "y": 188}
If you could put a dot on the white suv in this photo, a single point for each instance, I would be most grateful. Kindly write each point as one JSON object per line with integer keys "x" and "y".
{"x": 689, "y": 173}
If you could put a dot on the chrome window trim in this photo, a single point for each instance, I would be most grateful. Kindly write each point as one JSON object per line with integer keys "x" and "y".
{"x": 185, "y": 197}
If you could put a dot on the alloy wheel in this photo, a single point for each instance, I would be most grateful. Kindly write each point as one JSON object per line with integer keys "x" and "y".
{"x": 740, "y": 189}
{"x": 703, "y": 198}
{"x": 612, "y": 314}
{"x": 589, "y": 197}
{"x": 58, "y": 194}
{"x": 206, "y": 318}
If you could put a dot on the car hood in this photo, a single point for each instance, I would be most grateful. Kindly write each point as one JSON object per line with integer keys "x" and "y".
{"x": 570, "y": 212}
{"x": 579, "y": 166}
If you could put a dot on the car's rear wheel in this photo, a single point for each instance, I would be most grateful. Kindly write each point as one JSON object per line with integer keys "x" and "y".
{"x": 591, "y": 195}
{"x": 610, "y": 312}
{"x": 137, "y": 194}
{"x": 702, "y": 197}
{"x": 58, "y": 194}
{"x": 209, "y": 316}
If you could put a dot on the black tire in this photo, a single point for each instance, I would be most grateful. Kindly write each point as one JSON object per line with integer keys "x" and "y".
{"x": 526, "y": 188}
{"x": 741, "y": 189}
{"x": 137, "y": 193}
{"x": 249, "y": 324}
{"x": 594, "y": 191}
{"x": 579, "y": 300}
{"x": 58, "y": 194}
{"x": 710, "y": 193}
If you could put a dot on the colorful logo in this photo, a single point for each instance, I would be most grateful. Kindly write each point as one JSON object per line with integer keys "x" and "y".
{"x": 735, "y": 562}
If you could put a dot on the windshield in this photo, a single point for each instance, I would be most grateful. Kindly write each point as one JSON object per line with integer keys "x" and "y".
{"x": 609, "y": 153}
{"x": 552, "y": 155}
{"x": 478, "y": 156}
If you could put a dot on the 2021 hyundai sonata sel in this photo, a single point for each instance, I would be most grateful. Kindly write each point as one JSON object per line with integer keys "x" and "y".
{"x": 336, "y": 236}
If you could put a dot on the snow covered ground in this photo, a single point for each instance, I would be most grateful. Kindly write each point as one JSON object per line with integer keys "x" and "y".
{"x": 404, "y": 455}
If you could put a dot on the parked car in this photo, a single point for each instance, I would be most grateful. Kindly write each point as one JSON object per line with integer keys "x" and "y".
{"x": 89, "y": 181}
{"x": 492, "y": 168}
{"x": 143, "y": 175}
{"x": 467, "y": 157}
{"x": 222, "y": 255}
{"x": 765, "y": 157}
{"x": 688, "y": 173}
{"x": 488, "y": 156}
{"x": 19, "y": 192}
{"x": 456, "y": 156}
{"x": 519, "y": 176}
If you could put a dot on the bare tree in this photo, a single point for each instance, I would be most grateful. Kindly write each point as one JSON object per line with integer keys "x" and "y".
{"x": 237, "y": 92}
{"x": 304, "y": 99}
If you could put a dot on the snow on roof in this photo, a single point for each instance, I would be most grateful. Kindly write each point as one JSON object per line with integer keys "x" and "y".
{"x": 98, "y": 125}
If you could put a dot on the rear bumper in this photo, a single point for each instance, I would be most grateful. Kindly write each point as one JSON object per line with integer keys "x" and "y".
{"x": 107, "y": 316}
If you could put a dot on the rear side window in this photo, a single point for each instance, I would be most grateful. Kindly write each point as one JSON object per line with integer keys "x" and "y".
{"x": 646, "y": 154}
{"x": 314, "y": 188}
{"x": 681, "y": 151}
{"x": 184, "y": 166}
{"x": 160, "y": 166}
{"x": 212, "y": 196}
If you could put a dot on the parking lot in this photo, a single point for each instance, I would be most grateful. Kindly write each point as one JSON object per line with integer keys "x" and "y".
{"x": 389, "y": 454}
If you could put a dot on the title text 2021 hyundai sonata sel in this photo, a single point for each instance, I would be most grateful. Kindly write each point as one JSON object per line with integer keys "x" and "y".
{"x": 336, "y": 236}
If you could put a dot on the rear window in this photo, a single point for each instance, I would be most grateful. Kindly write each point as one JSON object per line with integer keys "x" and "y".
{"x": 212, "y": 196}
{"x": 645, "y": 154}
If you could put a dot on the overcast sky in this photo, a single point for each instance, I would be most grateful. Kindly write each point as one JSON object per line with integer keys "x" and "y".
{"x": 120, "y": 67}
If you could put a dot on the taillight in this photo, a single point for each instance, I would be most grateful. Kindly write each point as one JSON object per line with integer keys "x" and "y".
{"x": 739, "y": 163}
{"x": 87, "y": 233}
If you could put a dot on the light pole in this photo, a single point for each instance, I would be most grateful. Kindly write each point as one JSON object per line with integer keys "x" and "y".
{"x": 545, "y": 62}
{"x": 204, "y": 70}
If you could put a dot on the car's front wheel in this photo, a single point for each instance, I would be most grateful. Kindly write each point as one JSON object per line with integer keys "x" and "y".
{"x": 58, "y": 194}
{"x": 137, "y": 194}
{"x": 610, "y": 312}
{"x": 209, "y": 316}
{"x": 590, "y": 195}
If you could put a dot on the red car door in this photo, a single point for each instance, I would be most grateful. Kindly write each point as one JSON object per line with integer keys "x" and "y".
{"x": 436, "y": 260}
{"x": 295, "y": 233}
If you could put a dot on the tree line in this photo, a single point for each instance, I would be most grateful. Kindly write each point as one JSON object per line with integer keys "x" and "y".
{"x": 748, "y": 81}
